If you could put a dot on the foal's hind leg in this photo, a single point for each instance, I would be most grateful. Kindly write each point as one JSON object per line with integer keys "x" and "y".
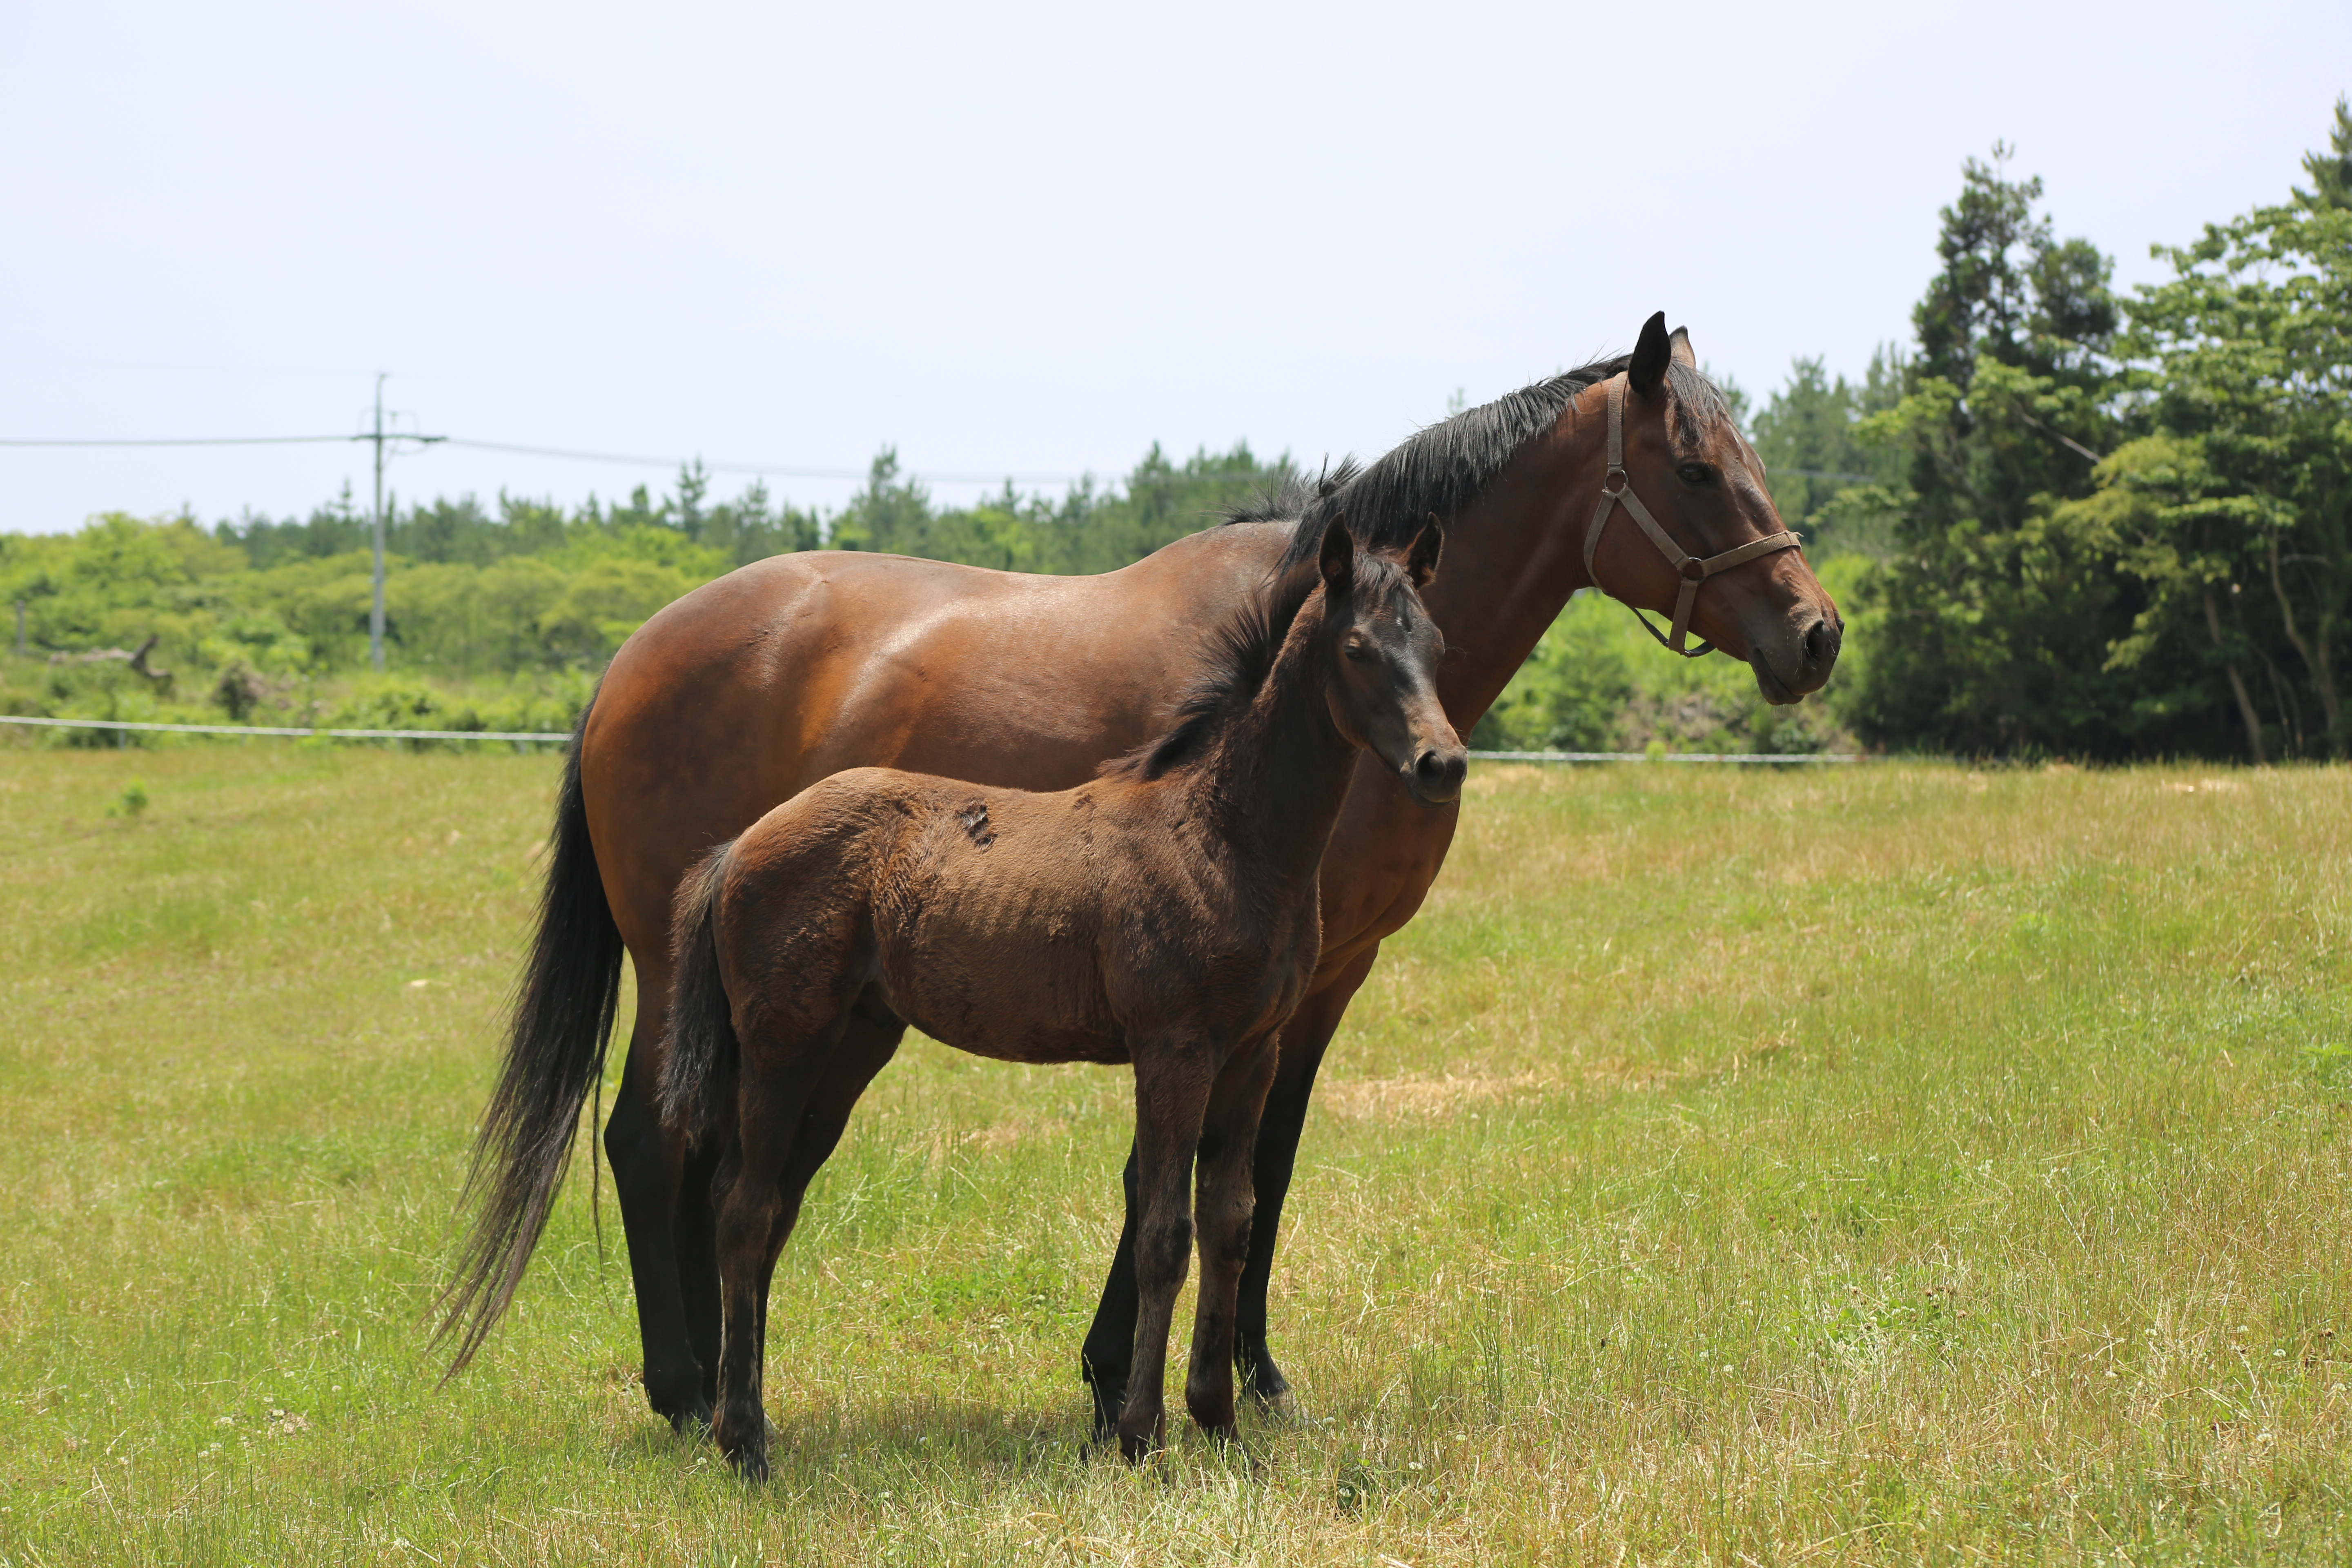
{"x": 757, "y": 1203}
{"x": 1221, "y": 1208}
{"x": 867, "y": 1043}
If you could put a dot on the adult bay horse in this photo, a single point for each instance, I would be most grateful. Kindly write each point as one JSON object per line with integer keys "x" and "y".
{"x": 1161, "y": 915}
{"x": 754, "y": 686}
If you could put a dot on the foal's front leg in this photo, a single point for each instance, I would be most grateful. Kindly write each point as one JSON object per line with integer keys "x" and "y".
{"x": 1173, "y": 1076}
{"x": 1222, "y": 1207}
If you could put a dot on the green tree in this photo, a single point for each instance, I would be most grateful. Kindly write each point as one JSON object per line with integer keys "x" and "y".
{"x": 892, "y": 513}
{"x": 1810, "y": 436}
{"x": 2238, "y": 506}
{"x": 2331, "y": 172}
{"x": 1994, "y": 616}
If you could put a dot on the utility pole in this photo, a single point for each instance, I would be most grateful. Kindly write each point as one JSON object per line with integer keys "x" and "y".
{"x": 375, "y": 605}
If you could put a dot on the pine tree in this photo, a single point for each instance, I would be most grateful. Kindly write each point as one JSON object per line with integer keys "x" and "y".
{"x": 2331, "y": 172}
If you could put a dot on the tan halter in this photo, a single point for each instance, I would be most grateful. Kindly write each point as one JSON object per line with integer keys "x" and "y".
{"x": 1616, "y": 488}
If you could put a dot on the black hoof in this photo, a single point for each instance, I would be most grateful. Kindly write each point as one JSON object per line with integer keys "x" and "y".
{"x": 1110, "y": 1398}
{"x": 1282, "y": 1409}
{"x": 687, "y": 1417}
{"x": 1263, "y": 1381}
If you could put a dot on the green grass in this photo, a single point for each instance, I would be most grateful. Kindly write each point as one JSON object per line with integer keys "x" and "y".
{"x": 1869, "y": 1165}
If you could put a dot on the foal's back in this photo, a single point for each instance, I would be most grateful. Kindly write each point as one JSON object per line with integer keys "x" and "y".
{"x": 1028, "y": 927}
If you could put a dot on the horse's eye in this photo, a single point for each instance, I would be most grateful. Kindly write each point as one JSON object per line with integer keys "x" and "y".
{"x": 1357, "y": 649}
{"x": 1694, "y": 474}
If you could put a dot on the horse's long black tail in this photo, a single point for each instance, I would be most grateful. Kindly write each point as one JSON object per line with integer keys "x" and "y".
{"x": 699, "y": 1055}
{"x": 555, "y": 1053}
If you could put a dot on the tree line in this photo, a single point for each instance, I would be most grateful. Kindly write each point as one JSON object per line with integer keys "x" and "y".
{"x": 524, "y": 585}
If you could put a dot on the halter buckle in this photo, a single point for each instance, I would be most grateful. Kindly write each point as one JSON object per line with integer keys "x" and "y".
{"x": 1694, "y": 570}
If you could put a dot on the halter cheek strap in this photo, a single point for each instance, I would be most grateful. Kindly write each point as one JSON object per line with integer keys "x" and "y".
{"x": 1616, "y": 489}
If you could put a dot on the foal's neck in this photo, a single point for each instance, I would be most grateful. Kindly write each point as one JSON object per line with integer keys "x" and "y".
{"x": 1274, "y": 777}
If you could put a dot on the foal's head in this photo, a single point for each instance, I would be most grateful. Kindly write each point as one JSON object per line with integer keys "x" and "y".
{"x": 1382, "y": 650}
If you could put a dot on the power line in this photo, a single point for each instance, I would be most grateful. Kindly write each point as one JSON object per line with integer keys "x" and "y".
{"x": 780, "y": 470}
{"x": 195, "y": 441}
{"x": 626, "y": 459}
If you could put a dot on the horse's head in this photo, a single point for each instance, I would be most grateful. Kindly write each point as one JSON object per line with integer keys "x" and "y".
{"x": 1381, "y": 651}
{"x": 1723, "y": 569}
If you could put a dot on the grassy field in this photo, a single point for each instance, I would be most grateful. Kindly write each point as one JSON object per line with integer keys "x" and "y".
{"x": 1876, "y": 1165}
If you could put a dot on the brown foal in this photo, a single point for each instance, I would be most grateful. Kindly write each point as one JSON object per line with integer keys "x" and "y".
{"x": 1164, "y": 914}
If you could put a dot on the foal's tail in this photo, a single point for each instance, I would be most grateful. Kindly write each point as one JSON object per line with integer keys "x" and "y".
{"x": 555, "y": 1053}
{"x": 699, "y": 1057}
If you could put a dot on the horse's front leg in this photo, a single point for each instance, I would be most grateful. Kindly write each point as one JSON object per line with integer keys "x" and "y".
{"x": 1173, "y": 1073}
{"x": 1298, "y": 1057}
{"x": 1222, "y": 1210}
{"x": 1103, "y": 1359}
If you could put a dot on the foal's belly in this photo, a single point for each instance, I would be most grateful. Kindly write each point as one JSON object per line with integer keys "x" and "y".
{"x": 1034, "y": 1041}
{"x": 1001, "y": 967}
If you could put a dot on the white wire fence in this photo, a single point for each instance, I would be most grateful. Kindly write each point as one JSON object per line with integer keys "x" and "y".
{"x": 559, "y": 736}
{"x": 287, "y": 730}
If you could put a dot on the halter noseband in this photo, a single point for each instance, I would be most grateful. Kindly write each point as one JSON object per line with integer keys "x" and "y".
{"x": 1617, "y": 488}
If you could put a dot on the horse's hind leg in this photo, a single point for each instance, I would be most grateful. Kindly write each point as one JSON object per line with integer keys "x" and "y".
{"x": 1172, "y": 1077}
{"x": 648, "y": 1174}
{"x": 1221, "y": 1209}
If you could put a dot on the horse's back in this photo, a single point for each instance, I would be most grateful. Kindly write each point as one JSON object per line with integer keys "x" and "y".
{"x": 752, "y": 687}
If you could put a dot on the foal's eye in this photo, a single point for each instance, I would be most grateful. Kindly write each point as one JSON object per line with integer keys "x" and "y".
{"x": 1357, "y": 649}
{"x": 1694, "y": 474}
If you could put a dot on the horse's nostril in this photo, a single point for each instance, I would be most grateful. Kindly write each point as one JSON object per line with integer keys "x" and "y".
{"x": 1435, "y": 770}
{"x": 1822, "y": 642}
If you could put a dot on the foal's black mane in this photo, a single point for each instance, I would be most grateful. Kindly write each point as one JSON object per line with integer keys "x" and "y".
{"x": 1447, "y": 466}
{"x": 1240, "y": 657}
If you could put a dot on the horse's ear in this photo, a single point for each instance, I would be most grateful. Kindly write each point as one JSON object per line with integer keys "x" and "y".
{"x": 1680, "y": 346}
{"x": 1648, "y": 371}
{"x": 1420, "y": 558}
{"x": 1338, "y": 561}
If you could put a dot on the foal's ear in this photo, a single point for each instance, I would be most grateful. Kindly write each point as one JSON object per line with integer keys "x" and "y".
{"x": 1648, "y": 371}
{"x": 1678, "y": 345}
{"x": 1338, "y": 562}
{"x": 1421, "y": 557}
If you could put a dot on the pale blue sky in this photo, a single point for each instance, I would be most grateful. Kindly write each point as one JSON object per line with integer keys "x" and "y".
{"x": 1017, "y": 238}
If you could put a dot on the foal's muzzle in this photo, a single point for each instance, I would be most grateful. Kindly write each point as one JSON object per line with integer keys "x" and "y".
{"x": 1437, "y": 774}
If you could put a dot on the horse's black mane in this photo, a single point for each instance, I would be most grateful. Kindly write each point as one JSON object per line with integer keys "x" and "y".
{"x": 1240, "y": 654}
{"x": 1448, "y": 465}
{"x": 1441, "y": 470}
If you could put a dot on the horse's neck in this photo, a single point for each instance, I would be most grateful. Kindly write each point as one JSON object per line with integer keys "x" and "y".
{"x": 1512, "y": 560}
{"x": 1276, "y": 775}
